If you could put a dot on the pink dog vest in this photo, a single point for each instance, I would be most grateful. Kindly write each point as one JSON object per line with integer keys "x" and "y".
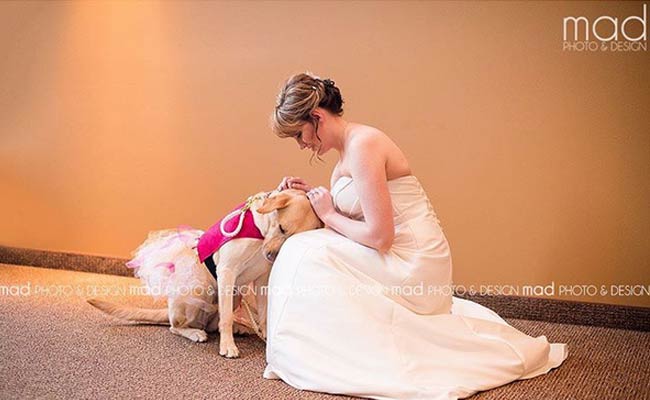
{"x": 212, "y": 240}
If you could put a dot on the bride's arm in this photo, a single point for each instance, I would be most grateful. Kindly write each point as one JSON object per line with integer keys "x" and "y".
{"x": 367, "y": 164}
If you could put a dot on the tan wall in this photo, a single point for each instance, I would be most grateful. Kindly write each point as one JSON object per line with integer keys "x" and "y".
{"x": 120, "y": 118}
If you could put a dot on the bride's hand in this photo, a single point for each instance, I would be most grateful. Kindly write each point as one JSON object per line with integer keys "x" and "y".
{"x": 294, "y": 182}
{"x": 321, "y": 202}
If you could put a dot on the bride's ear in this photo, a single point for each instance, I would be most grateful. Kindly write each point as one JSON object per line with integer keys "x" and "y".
{"x": 273, "y": 203}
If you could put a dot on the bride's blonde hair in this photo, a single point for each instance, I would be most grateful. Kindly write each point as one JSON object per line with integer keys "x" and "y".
{"x": 300, "y": 95}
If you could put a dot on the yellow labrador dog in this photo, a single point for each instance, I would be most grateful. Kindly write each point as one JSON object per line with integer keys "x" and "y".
{"x": 170, "y": 260}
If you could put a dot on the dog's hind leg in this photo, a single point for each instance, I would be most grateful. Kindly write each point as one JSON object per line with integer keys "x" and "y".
{"x": 213, "y": 324}
{"x": 185, "y": 321}
{"x": 261, "y": 293}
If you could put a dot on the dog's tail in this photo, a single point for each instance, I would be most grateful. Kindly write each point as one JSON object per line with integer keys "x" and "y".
{"x": 134, "y": 314}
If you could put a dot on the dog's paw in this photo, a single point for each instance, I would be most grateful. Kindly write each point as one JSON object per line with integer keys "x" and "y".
{"x": 195, "y": 335}
{"x": 198, "y": 336}
{"x": 228, "y": 350}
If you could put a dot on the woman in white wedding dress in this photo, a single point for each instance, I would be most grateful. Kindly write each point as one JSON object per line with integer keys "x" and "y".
{"x": 364, "y": 307}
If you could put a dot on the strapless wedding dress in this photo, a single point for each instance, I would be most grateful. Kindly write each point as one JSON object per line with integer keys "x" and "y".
{"x": 344, "y": 318}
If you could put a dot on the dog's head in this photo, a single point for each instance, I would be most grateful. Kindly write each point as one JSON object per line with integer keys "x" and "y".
{"x": 292, "y": 213}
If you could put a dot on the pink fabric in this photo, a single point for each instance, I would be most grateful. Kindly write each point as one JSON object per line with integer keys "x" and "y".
{"x": 212, "y": 240}
{"x": 162, "y": 241}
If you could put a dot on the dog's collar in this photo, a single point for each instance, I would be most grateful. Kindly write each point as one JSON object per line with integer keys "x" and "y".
{"x": 251, "y": 199}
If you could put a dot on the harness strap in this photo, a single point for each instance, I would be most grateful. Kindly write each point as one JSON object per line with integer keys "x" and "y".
{"x": 212, "y": 267}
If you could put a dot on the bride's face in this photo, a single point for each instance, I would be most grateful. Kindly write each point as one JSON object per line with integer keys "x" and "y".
{"x": 307, "y": 138}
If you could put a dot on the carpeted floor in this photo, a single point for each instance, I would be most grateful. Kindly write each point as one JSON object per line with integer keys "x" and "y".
{"x": 54, "y": 345}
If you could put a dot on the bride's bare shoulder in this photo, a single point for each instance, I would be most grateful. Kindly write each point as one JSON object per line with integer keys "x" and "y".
{"x": 366, "y": 129}
{"x": 366, "y": 134}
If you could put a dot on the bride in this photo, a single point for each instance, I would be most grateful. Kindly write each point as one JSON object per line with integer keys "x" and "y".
{"x": 365, "y": 306}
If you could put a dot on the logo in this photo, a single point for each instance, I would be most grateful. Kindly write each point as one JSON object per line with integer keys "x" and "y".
{"x": 605, "y": 33}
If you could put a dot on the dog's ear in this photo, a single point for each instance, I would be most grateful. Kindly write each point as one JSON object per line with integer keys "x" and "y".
{"x": 273, "y": 203}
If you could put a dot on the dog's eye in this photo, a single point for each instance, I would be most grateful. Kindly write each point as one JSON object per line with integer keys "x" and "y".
{"x": 282, "y": 230}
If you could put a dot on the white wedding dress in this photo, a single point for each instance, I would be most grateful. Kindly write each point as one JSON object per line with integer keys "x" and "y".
{"x": 344, "y": 318}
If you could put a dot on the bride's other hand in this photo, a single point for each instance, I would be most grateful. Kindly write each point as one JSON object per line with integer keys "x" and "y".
{"x": 294, "y": 182}
{"x": 321, "y": 202}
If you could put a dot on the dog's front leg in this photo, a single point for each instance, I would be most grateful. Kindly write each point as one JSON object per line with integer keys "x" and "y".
{"x": 261, "y": 289}
{"x": 226, "y": 286}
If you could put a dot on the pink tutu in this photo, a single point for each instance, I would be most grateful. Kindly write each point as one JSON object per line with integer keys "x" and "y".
{"x": 168, "y": 265}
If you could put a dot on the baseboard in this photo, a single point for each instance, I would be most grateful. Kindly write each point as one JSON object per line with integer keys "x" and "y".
{"x": 63, "y": 260}
{"x": 567, "y": 312}
{"x": 531, "y": 308}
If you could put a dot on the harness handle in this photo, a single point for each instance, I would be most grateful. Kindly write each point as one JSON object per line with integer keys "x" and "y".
{"x": 241, "y": 212}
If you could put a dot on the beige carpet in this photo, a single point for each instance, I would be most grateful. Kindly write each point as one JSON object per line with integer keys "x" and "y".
{"x": 53, "y": 345}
